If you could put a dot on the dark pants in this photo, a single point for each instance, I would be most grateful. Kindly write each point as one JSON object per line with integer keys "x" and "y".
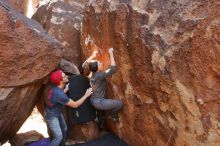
{"x": 59, "y": 129}
{"x": 111, "y": 105}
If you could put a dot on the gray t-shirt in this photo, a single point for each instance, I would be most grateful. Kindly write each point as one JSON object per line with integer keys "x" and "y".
{"x": 98, "y": 82}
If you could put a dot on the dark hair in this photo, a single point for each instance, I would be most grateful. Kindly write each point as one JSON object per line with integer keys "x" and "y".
{"x": 93, "y": 66}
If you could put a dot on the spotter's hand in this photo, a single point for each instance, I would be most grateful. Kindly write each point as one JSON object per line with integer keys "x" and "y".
{"x": 88, "y": 92}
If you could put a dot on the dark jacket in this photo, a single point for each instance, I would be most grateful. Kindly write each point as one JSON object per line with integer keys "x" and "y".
{"x": 78, "y": 84}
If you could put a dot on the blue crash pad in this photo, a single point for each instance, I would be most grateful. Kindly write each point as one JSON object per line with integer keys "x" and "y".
{"x": 106, "y": 140}
{"x": 43, "y": 142}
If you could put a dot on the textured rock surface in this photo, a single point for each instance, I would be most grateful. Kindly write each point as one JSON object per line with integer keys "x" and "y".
{"x": 22, "y": 5}
{"x": 77, "y": 2}
{"x": 167, "y": 55}
{"x": 24, "y": 139}
{"x": 63, "y": 21}
{"x": 19, "y": 5}
{"x": 27, "y": 55}
{"x": 84, "y": 131}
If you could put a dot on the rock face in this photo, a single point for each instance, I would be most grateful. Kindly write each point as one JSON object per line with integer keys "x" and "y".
{"x": 63, "y": 21}
{"x": 24, "y": 139}
{"x": 168, "y": 72}
{"x": 24, "y": 6}
{"x": 19, "y": 5}
{"x": 77, "y": 2}
{"x": 27, "y": 55}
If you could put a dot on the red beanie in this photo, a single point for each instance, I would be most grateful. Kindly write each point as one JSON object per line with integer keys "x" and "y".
{"x": 56, "y": 77}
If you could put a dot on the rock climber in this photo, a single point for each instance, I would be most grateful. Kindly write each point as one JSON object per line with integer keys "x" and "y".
{"x": 98, "y": 82}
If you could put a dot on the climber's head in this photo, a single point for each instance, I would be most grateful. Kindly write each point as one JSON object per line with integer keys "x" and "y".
{"x": 58, "y": 77}
{"x": 95, "y": 66}
{"x": 84, "y": 69}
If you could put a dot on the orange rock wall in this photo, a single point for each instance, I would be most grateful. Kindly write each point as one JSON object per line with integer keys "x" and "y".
{"x": 167, "y": 56}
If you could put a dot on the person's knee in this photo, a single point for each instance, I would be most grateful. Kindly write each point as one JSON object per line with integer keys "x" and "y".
{"x": 96, "y": 104}
{"x": 92, "y": 102}
{"x": 119, "y": 104}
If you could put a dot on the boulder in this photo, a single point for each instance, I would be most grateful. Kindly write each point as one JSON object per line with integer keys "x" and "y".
{"x": 68, "y": 67}
{"x": 84, "y": 131}
{"x": 19, "y": 5}
{"x": 24, "y": 6}
{"x": 167, "y": 56}
{"x": 27, "y": 55}
{"x": 63, "y": 21}
{"x": 77, "y": 2}
{"x": 23, "y": 139}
